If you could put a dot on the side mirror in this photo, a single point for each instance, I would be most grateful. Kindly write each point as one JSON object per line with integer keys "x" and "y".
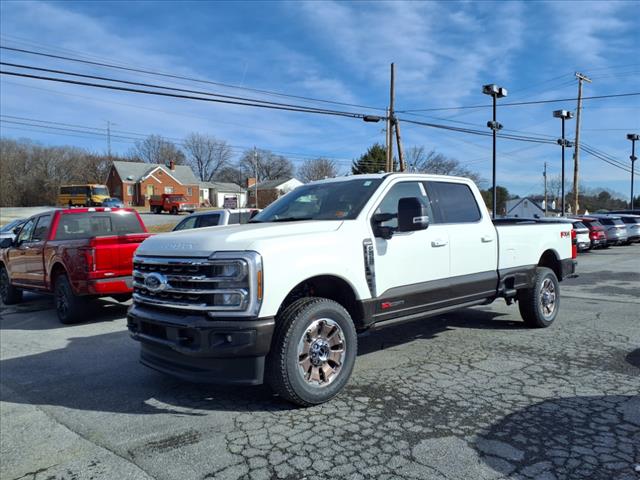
{"x": 413, "y": 215}
{"x": 6, "y": 243}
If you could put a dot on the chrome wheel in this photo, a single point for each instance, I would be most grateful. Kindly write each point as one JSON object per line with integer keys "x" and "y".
{"x": 321, "y": 352}
{"x": 547, "y": 297}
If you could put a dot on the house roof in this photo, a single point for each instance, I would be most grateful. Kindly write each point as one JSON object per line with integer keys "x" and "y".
{"x": 270, "y": 184}
{"x": 513, "y": 204}
{"x": 137, "y": 171}
{"x": 222, "y": 187}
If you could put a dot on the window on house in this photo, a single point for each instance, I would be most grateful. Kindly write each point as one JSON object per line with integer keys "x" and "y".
{"x": 189, "y": 191}
{"x": 168, "y": 189}
{"x": 129, "y": 189}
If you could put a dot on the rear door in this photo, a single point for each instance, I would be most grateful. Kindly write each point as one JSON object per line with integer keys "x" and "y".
{"x": 411, "y": 268}
{"x": 472, "y": 238}
{"x": 34, "y": 255}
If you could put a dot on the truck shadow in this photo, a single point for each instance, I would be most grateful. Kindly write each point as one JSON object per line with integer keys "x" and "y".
{"x": 102, "y": 372}
{"x": 593, "y": 437}
{"x": 38, "y": 313}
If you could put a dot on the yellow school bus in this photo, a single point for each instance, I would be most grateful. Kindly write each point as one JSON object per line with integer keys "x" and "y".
{"x": 89, "y": 195}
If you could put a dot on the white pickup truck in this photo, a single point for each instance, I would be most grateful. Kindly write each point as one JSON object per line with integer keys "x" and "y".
{"x": 281, "y": 299}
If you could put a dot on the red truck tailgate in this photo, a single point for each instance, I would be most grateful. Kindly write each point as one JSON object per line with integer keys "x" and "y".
{"x": 113, "y": 256}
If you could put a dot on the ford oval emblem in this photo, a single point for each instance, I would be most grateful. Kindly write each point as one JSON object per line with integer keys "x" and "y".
{"x": 155, "y": 282}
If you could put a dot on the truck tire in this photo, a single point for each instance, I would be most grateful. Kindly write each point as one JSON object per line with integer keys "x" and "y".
{"x": 69, "y": 307}
{"x": 313, "y": 351}
{"x": 174, "y": 211}
{"x": 539, "y": 305}
{"x": 10, "y": 295}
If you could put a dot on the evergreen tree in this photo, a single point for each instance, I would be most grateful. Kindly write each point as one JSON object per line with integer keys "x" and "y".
{"x": 373, "y": 161}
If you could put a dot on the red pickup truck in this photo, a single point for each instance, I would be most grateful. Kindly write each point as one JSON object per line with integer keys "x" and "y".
{"x": 171, "y": 202}
{"x": 76, "y": 254}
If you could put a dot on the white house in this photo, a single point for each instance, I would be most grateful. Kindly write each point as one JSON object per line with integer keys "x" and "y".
{"x": 530, "y": 207}
{"x": 220, "y": 194}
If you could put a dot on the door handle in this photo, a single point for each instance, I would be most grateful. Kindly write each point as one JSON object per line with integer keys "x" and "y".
{"x": 439, "y": 243}
{"x": 487, "y": 239}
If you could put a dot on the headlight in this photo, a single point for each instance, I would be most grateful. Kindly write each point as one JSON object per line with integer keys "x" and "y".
{"x": 238, "y": 276}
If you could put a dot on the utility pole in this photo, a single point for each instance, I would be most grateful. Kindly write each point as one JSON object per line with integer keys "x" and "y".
{"x": 255, "y": 171}
{"x": 400, "y": 150}
{"x": 634, "y": 137}
{"x": 391, "y": 116}
{"x": 544, "y": 174}
{"x": 109, "y": 138}
{"x": 576, "y": 152}
{"x": 387, "y": 132}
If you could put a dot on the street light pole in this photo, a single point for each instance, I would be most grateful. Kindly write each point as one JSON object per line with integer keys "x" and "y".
{"x": 495, "y": 92}
{"x": 633, "y": 137}
{"x": 563, "y": 142}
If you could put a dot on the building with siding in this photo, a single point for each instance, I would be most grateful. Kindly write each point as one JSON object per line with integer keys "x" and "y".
{"x": 221, "y": 194}
{"x": 269, "y": 190}
{"x": 136, "y": 182}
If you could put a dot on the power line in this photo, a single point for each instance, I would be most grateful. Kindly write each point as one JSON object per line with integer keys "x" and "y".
{"x": 182, "y": 77}
{"x": 301, "y": 109}
{"x": 532, "y": 102}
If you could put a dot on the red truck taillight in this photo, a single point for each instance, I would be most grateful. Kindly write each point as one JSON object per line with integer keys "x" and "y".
{"x": 574, "y": 244}
{"x": 90, "y": 259}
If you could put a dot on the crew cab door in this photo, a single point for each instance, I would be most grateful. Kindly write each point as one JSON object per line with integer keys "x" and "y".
{"x": 34, "y": 273}
{"x": 472, "y": 238}
{"x": 17, "y": 253}
{"x": 411, "y": 268}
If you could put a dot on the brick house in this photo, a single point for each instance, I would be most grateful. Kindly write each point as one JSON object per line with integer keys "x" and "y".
{"x": 135, "y": 182}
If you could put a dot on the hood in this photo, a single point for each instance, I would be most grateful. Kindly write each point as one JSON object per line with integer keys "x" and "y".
{"x": 202, "y": 242}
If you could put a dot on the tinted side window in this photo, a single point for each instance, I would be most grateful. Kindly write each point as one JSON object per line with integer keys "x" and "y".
{"x": 234, "y": 218}
{"x": 186, "y": 224}
{"x": 98, "y": 224}
{"x": 65, "y": 190}
{"x": 209, "y": 220}
{"x": 25, "y": 233}
{"x": 42, "y": 229}
{"x": 400, "y": 190}
{"x": 453, "y": 202}
{"x": 606, "y": 221}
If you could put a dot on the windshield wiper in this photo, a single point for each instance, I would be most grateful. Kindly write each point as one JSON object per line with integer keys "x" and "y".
{"x": 291, "y": 219}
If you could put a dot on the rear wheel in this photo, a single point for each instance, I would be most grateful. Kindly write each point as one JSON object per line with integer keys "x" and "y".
{"x": 69, "y": 306}
{"x": 539, "y": 305}
{"x": 174, "y": 211}
{"x": 9, "y": 294}
{"x": 313, "y": 351}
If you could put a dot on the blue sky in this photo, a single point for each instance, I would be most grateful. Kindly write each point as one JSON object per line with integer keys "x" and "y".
{"x": 444, "y": 53}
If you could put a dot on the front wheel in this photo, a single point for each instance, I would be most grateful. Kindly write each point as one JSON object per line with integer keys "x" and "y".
{"x": 313, "y": 351}
{"x": 9, "y": 294}
{"x": 539, "y": 304}
{"x": 174, "y": 211}
{"x": 69, "y": 306}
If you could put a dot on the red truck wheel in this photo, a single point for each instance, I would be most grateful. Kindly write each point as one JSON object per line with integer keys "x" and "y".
{"x": 174, "y": 211}
{"x": 69, "y": 306}
{"x": 10, "y": 295}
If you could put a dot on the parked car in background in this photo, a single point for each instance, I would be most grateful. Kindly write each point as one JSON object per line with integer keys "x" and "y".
{"x": 596, "y": 232}
{"x": 582, "y": 236}
{"x": 8, "y": 230}
{"x": 212, "y": 218}
{"x": 88, "y": 195}
{"x": 171, "y": 202}
{"x": 113, "y": 203}
{"x": 632, "y": 222}
{"x": 614, "y": 229}
{"x": 76, "y": 254}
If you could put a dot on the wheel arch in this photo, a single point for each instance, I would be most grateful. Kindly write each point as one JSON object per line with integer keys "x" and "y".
{"x": 551, "y": 259}
{"x": 57, "y": 269}
{"x": 331, "y": 287}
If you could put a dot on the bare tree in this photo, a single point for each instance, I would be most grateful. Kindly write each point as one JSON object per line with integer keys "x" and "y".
{"x": 231, "y": 174}
{"x": 266, "y": 164}
{"x": 419, "y": 160}
{"x": 317, "y": 169}
{"x": 206, "y": 155}
{"x": 155, "y": 149}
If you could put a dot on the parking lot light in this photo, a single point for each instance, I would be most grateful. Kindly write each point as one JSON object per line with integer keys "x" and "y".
{"x": 495, "y": 92}
{"x": 564, "y": 143}
{"x": 633, "y": 137}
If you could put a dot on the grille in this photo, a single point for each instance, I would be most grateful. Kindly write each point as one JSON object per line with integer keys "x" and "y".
{"x": 188, "y": 283}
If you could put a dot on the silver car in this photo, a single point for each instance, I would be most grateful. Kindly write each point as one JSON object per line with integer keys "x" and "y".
{"x": 614, "y": 229}
{"x": 632, "y": 222}
{"x": 8, "y": 230}
{"x": 212, "y": 218}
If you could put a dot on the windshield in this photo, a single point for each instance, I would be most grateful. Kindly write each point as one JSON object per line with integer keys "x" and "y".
{"x": 11, "y": 225}
{"x": 321, "y": 201}
{"x": 177, "y": 199}
{"x": 100, "y": 191}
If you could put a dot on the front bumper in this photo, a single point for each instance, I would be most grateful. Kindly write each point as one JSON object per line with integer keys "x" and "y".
{"x": 197, "y": 349}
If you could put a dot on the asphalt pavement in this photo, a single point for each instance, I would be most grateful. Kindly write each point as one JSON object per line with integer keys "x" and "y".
{"x": 470, "y": 395}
